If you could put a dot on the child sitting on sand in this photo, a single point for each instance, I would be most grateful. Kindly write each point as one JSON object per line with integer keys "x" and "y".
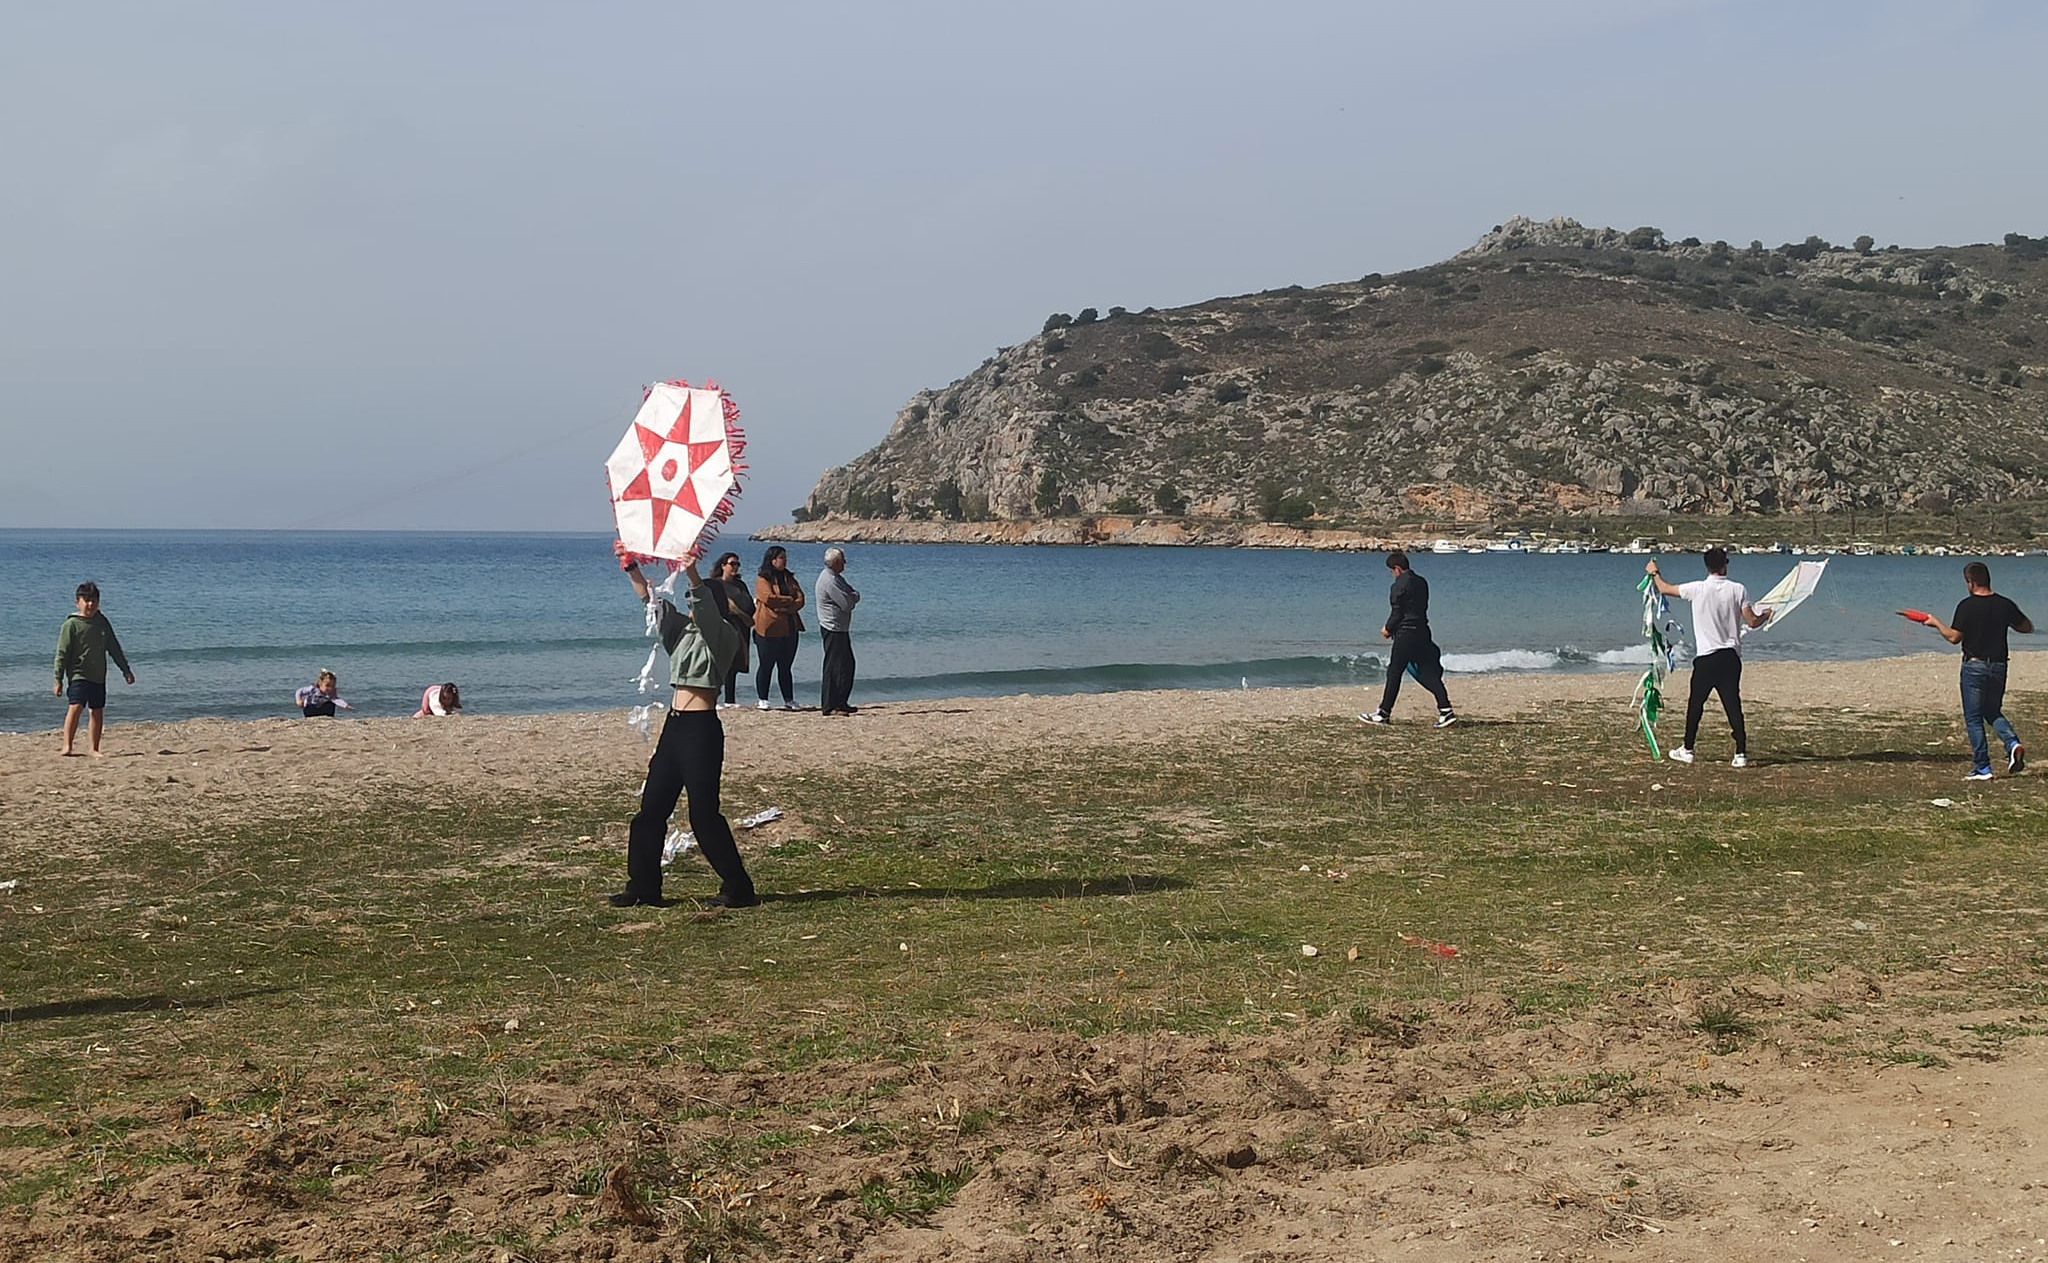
{"x": 321, "y": 697}
{"x": 439, "y": 699}
{"x": 84, "y": 644}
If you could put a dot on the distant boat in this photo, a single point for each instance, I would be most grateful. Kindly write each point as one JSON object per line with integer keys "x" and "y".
{"x": 1445, "y": 546}
{"x": 1507, "y": 546}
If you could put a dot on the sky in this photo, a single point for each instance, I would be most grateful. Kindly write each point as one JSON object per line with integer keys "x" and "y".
{"x": 407, "y": 266}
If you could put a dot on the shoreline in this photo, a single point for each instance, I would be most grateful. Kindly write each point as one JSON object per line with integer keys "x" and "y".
{"x": 1133, "y": 531}
{"x": 209, "y": 774}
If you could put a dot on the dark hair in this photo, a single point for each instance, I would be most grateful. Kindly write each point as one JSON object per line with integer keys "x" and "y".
{"x": 1397, "y": 559}
{"x": 1978, "y": 573}
{"x": 768, "y": 558}
{"x": 89, "y": 589}
{"x": 719, "y": 565}
{"x": 451, "y": 697}
{"x": 1717, "y": 560}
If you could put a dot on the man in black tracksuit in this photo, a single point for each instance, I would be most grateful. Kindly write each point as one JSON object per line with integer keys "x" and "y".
{"x": 1413, "y": 650}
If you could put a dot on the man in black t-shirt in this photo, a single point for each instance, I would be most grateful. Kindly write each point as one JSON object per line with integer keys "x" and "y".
{"x": 1980, "y": 623}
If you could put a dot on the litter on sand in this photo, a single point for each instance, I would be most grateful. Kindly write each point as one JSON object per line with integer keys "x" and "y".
{"x": 10, "y": 883}
{"x": 1944, "y": 802}
{"x": 679, "y": 842}
{"x": 760, "y": 818}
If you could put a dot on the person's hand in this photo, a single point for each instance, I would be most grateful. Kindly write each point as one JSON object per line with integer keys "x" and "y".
{"x": 1385, "y": 634}
{"x": 626, "y": 561}
{"x": 1649, "y": 567}
{"x": 57, "y": 689}
{"x": 690, "y": 573}
{"x": 128, "y": 676}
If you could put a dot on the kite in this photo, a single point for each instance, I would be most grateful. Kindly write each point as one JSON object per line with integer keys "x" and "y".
{"x": 1649, "y": 696}
{"x": 1789, "y": 593}
{"x": 675, "y": 475}
{"x": 674, "y": 481}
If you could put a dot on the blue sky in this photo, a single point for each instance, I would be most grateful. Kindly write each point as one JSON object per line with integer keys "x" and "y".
{"x": 407, "y": 265}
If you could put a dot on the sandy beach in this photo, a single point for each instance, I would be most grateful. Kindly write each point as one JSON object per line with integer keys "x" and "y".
{"x": 171, "y": 775}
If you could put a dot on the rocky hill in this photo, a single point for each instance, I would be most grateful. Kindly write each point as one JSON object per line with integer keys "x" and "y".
{"x": 1551, "y": 370}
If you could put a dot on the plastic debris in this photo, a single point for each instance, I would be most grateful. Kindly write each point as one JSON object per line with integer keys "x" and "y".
{"x": 1310, "y": 949}
{"x": 1944, "y": 802}
{"x": 679, "y": 842}
{"x": 760, "y": 818}
{"x": 1444, "y": 950}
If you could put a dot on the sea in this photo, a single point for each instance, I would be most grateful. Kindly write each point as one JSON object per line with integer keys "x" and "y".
{"x": 230, "y": 623}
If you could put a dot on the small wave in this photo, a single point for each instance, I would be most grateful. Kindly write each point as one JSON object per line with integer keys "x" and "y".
{"x": 1502, "y": 660}
{"x": 1627, "y": 656}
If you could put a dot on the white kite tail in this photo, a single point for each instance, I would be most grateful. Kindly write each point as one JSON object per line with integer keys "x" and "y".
{"x": 1787, "y": 594}
{"x": 641, "y": 718}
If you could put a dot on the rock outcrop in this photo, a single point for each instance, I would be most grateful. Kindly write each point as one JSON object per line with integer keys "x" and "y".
{"x": 1551, "y": 369}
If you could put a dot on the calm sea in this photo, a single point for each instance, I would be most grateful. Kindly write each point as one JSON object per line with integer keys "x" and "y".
{"x": 230, "y": 623}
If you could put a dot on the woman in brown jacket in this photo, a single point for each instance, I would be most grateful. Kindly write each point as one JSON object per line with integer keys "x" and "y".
{"x": 777, "y": 598}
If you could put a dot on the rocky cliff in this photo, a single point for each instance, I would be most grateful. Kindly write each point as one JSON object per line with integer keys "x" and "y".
{"x": 1551, "y": 369}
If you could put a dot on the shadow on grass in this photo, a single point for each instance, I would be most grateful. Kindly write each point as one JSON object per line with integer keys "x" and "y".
{"x": 1861, "y": 756}
{"x": 104, "y": 1005}
{"x": 1022, "y": 888}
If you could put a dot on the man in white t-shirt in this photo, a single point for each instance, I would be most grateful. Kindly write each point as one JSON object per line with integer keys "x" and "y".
{"x": 1720, "y": 607}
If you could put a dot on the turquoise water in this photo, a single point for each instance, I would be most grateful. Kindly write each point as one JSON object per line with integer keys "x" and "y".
{"x": 230, "y": 623}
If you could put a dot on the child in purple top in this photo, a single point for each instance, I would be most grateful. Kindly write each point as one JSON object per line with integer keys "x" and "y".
{"x": 321, "y": 697}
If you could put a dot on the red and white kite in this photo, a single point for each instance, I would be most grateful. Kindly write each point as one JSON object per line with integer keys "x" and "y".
{"x": 675, "y": 476}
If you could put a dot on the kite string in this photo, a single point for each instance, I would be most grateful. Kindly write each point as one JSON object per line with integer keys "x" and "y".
{"x": 444, "y": 479}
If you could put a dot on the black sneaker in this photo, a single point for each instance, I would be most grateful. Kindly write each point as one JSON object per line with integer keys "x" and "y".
{"x": 1445, "y": 718}
{"x": 723, "y": 900}
{"x": 634, "y": 899}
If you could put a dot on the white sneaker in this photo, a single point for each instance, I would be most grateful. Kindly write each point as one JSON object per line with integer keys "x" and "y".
{"x": 791, "y": 706}
{"x": 1740, "y": 760}
{"x": 1445, "y": 718}
{"x": 1678, "y": 754}
{"x": 1983, "y": 774}
{"x": 1372, "y": 717}
{"x": 763, "y": 705}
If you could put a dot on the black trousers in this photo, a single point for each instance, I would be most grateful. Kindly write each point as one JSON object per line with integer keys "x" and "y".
{"x": 776, "y": 654}
{"x": 1415, "y": 649}
{"x": 688, "y": 759}
{"x": 317, "y": 709}
{"x": 836, "y": 692}
{"x": 1718, "y": 672}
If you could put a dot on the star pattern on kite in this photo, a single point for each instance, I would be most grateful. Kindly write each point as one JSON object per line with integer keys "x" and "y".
{"x": 671, "y": 459}
{"x": 673, "y": 476}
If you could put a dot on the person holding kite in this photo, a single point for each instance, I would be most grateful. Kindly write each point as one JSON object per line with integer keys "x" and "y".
{"x": 674, "y": 481}
{"x": 1720, "y": 609}
{"x": 690, "y": 756}
{"x": 1979, "y": 626}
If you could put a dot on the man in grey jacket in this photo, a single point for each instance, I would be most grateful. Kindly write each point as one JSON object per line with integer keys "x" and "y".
{"x": 836, "y": 599}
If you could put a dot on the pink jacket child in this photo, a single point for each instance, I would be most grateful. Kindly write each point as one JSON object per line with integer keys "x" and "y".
{"x": 439, "y": 699}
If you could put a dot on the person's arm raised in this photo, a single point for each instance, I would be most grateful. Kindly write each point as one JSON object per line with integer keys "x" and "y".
{"x": 632, "y": 569}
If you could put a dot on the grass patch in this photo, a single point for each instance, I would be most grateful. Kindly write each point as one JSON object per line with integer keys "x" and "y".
{"x": 438, "y": 984}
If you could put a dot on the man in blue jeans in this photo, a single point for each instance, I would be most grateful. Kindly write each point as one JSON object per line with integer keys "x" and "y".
{"x": 1979, "y": 626}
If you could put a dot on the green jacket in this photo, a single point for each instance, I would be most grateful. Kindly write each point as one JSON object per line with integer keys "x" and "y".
{"x": 82, "y": 649}
{"x": 701, "y": 647}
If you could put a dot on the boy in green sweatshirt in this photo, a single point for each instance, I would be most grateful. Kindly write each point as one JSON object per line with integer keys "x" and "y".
{"x": 83, "y": 646}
